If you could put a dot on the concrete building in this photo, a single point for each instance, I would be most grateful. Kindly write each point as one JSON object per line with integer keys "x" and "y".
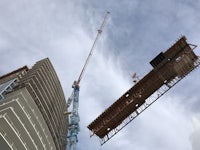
{"x": 32, "y": 106}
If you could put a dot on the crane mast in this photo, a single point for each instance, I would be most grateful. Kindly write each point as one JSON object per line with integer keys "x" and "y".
{"x": 74, "y": 119}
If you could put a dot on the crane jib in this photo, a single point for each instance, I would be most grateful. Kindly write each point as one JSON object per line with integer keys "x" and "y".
{"x": 73, "y": 127}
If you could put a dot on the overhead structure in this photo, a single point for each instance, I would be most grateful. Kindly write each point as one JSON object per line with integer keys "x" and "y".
{"x": 169, "y": 68}
{"x": 74, "y": 119}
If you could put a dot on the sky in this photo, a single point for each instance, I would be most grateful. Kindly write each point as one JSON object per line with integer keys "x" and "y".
{"x": 134, "y": 34}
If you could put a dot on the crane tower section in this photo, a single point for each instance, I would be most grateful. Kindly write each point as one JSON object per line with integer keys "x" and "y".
{"x": 169, "y": 68}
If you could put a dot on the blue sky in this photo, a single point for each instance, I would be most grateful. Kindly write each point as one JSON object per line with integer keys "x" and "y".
{"x": 135, "y": 33}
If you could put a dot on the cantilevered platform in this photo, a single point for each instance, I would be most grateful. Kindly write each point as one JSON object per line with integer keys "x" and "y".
{"x": 168, "y": 69}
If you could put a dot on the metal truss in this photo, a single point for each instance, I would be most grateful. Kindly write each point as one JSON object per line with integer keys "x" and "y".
{"x": 148, "y": 102}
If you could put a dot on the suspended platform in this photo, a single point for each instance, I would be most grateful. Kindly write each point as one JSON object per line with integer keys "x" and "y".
{"x": 168, "y": 69}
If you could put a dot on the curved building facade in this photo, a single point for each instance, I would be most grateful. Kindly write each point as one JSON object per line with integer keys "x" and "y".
{"x": 38, "y": 94}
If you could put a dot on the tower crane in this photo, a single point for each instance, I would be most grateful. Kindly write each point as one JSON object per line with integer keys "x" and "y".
{"x": 73, "y": 127}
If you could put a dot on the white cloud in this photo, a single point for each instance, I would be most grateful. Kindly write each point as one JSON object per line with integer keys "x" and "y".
{"x": 195, "y": 136}
{"x": 135, "y": 33}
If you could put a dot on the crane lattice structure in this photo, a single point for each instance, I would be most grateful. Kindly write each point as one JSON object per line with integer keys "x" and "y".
{"x": 168, "y": 69}
{"x": 73, "y": 128}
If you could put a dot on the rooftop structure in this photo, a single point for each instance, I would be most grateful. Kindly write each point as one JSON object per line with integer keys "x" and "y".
{"x": 168, "y": 69}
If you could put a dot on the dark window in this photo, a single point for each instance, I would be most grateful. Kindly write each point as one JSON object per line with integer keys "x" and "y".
{"x": 157, "y": 60}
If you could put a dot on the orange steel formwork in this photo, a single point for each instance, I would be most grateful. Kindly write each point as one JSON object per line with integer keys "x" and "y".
{"x": 168, "y": 69}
